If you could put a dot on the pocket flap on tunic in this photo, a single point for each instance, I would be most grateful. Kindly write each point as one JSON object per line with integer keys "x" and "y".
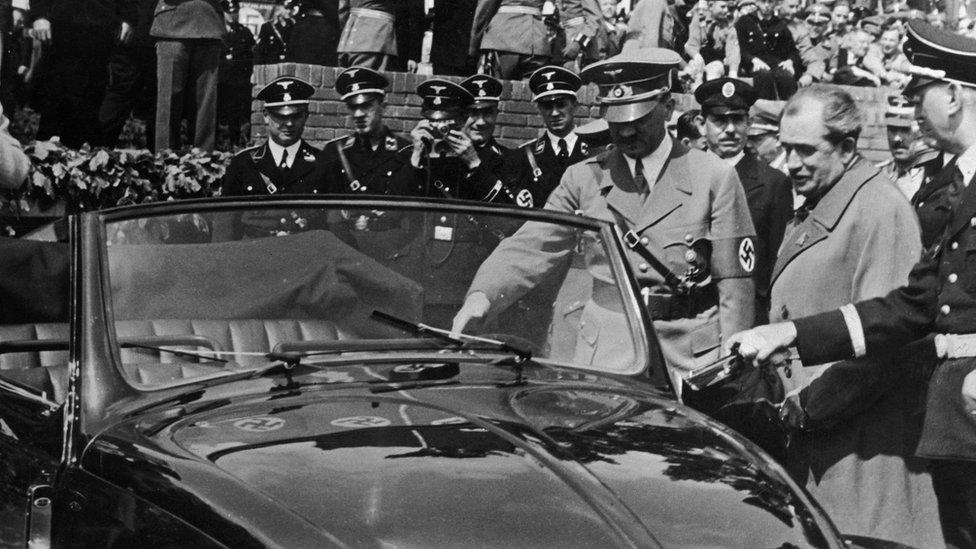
{"x": 705, "y": 338}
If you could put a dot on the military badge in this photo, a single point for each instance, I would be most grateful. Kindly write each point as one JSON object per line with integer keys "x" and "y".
{"x": 540, "y": 146}
{"x": 728, "y": 90}
{"x": 584, "y": 148}
{"x": 524, "y": 199}
{"x": 747, "y": 255}
{"x": 390, "y": 143}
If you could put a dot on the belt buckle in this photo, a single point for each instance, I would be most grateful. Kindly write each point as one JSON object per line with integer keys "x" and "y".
{"x": 631, "y": 239}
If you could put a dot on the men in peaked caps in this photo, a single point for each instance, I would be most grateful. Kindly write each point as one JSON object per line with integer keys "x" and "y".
{"x": 725, "y": 104}
{"x": 367, "y": 160}
{"x": 480, "y": 124}
{"x": 537, "y": 165}
{"x": 445, "y": 160}
{"x": 686, "y": 205}
{"x": 285, "y": 163}
{"x": 446, "y": 165}
{"x": 763, "y": 133}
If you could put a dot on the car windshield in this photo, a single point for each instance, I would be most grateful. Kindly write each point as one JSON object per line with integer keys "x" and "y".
{"x": 225, "y": 288}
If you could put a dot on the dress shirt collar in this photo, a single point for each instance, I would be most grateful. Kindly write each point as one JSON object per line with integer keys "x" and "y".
{"x": 734, "y": 160}
{"x": 967, "y": 164}
{"x": 652, "y": 164}
{"x": 277, "y": 149}
{"x": 570, "y": 141}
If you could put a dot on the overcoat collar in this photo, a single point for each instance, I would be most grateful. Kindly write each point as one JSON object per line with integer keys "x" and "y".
{"x": 668, "y": 193}
{"x": 303, "y": 164}
{"x": 825, "y": 215}
{"x": 965, "y": 214}
{"x": 748, "y": 171}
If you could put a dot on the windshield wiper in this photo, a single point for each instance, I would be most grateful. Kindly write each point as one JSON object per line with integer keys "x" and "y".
{"x": 456, "y": 339}
{"x": 190, "y": 354}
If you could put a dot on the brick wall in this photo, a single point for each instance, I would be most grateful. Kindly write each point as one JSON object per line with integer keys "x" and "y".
{"x": 517, "y": 120}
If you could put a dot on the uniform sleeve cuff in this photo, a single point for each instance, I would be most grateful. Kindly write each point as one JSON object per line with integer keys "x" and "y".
{"x": 823, "y": 338}
{"x": 854, "y": 329}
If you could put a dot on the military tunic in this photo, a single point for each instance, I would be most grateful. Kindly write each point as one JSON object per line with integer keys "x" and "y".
{"x": 272, "y": 43}
{"x": 513, "y": 26}
{"x": 936, "y": 198}
{"x": 695, "y": 198}
{"x": 534, "y": 169}
{"x": 771, "y": 41}
{"x": 253, "y": 172}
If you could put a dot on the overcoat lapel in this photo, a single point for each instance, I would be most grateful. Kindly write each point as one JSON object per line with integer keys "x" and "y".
{"x": 824, "y": 217}
{"x": 748, "y": 172}
{"x": 623, "y": 196}
{"x": 966, "y": 212}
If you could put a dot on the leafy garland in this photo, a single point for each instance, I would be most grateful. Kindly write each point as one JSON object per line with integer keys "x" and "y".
{"x": 63, "y": 180}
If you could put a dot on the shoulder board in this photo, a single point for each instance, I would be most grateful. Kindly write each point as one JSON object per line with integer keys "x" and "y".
{"x": 247, "y": 149}
{"x": 405, "y": 149}
{"x": 333, "y": 140}
{"x": 528, "y": 143}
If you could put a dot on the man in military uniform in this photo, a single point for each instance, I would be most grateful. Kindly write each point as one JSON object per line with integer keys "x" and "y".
{"x": 273, "y": 37}
{"x": 509, "y": 38}
{"x": 686, "y": 205}
{"x": 234, "y": 75}
{"x": 821, "y": 58}
{"x": 580, "y": 21}
{"x": 285, "y": 163}
{"x": 725, "y": 105}
{"x": 763, "y": 133}
{"x": 535, "y": 167}
{"x": 369, "y": 161}
{"x": 939, "y": 297}
{"x": 369, "y": 37}
{"x": 768, "y": 51}
{"x": 480, "y": 125}
{"x": 912, "y": 161}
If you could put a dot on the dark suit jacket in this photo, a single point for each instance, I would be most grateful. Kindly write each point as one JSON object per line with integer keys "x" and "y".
{"x": 770, "y": 199}
{"x": 185, "y": 19}
{"x": 769, "y": 40}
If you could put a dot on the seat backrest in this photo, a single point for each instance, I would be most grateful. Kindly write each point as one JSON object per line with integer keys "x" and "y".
{"x": 248, "y": 336}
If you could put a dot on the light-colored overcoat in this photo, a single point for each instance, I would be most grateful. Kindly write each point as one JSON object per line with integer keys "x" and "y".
{"x": 859, "y": 241}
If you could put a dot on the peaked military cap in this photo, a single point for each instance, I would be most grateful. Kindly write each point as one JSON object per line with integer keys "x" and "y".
{"x": 230, "y": 6}
{"x": 630, "y": 82}
{"x": 443, "y": 95}
{"x": 595, "y": 133}
{"x": 552, "y": 80}
{"x": 483, "y": 87}
{"x": 873, "y": 24}
{"x": 765, "y": 115}
{"x": 818, "y": 14}
{"x": 900, "y": 111}
{"x": 356, "y": 84}
{"x": 938, "y": 55}
{"x": 725, "y": 95}
{"x": 286, "y": 90}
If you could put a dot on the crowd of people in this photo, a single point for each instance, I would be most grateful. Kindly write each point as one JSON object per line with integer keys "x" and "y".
{"x": 184, "y": 68}
{"x": 759, "y": 202}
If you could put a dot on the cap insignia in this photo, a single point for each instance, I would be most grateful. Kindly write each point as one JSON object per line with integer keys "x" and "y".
{"x": 391, "y": 144}
{"x": 438, "y": 89}
{"x": 352, "y": 72}
{"x": 550, "y": 86}
{"x": 481, "y": 93}
{"x": 354, "y": 87}
{"x": 284, "y": 84}
{"x": 437, "y": 100}
{"x": 728, "y": 90}
{"x": 479, "y": 83}
{"x": 286, "y": 97}
{"x": 548, "y": 75}
{"x": 621, "y": 90}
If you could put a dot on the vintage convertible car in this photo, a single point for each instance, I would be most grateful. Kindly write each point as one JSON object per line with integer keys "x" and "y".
{"x": 270, "y": 374}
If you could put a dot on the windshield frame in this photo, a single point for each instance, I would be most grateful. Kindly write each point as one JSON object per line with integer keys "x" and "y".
{"x": 649, "y": 365}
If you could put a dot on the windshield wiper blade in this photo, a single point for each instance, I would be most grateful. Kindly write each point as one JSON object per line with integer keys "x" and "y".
{"x": 457, "y": 339}
{"x": 190, "y": 354}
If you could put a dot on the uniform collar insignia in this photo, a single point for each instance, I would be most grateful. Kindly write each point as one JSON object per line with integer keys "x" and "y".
{"x": 583, "y": 148}
{"x": 540, "y": 146}
{"x": 390, "y": 143}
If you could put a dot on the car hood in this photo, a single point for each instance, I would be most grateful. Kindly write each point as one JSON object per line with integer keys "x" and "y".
{"x": 567, "y": 465}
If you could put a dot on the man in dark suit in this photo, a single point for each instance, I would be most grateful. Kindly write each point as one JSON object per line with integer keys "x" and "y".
{"x": 131, "y": 81}
{"x": 79, "y": 36}
{"x": 769, "y": 52}
{"x": 725, "y": 105}
{"x": 451, "y": 28}
{"x": 535, "y": 167}
{"x": 285, "y": 163}
{"x": 188, "y": 37}
{"x": 234, "y": 76}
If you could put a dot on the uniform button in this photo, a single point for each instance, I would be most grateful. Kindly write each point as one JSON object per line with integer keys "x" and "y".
{"x": 315, "y": 191}
{"x": 691, "y": 256}
{"x": 921, "y": 204}
{"x": 945, "y": 309}
{"x": 644, "y": 241}
{"x": 954, "y": 246}
{"x": 388, "y": 174}
{"x": 250, "y": 188}
{"x": 283, "y": 220}
{"x": 643, "y": 267}
{"x": 953, "y": 278}
{"x": 443, "y": 219}
{"x": 689, "y": 239}
{"x": 972, "y": 222}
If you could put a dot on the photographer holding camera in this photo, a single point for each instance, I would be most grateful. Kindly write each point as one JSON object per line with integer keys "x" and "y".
{"x": 445, "y": 160}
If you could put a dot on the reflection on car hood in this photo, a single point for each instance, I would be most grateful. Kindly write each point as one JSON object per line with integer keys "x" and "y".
{"x": 560, "y": 465}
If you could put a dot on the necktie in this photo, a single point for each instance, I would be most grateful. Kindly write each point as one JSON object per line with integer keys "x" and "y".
{"x": 563, "y": 153}
{"x": 639, "y": 176}
{"x": 283, "y": 165}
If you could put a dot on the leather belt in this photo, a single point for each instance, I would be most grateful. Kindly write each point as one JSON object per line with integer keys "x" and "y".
{"x": 659, "y": 306}
{"x": 955, "y": 345}
{"x": 526, "y": 10}
{"x": 376, "y": 14}
{"x": 574, "y": 22}
{"x": 314, "y": 13}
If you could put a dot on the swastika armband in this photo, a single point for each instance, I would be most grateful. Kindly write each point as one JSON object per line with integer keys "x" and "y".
{"x": 734, "y": 257}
